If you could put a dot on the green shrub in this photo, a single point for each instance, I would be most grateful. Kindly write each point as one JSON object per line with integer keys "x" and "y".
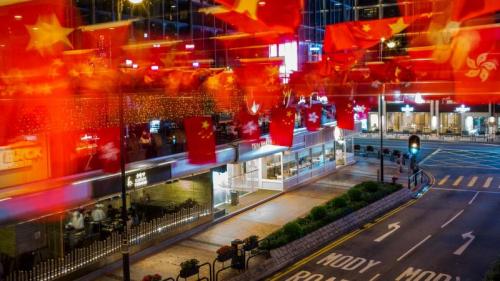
{"x": 370, "y": 186}
{"x": 338, "y": 202}
{"x": 354, "y": 194}
{"x": 312, "y": 226}
{"x": 356, "y": 198}
{"x": 318, "y": 213}
{"x": 293, "y": 230}
{"x": 335, "y": 214}
{"x": 494, "y": 273}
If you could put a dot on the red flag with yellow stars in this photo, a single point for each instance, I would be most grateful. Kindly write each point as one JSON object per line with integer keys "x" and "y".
{"x": 248, "y": 126}
{"x": 33, "y": 35}
{"x": 222, "y": 85}
{"x": 282, "y": 125}
{"x": 260, "y": 82}
{"x": 362, "y": 34}
{"x": 344, "y": 106}
{"x": 107, "y": 39}
{"x": 312, "y": 117}
{"x": 254, "y": 16}
{"x": 200, "y": 140}
{"x": 109, "y": 149}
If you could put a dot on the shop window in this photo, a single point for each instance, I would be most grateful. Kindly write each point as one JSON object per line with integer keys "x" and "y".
{"x": 304, "y": 160}
{"x": 317, "y": 156}
{"x": 289, "y": 165}
{"x": 272, "y": 167}
{"x": 329, "y": 152}
{"x": 450, "y": 123}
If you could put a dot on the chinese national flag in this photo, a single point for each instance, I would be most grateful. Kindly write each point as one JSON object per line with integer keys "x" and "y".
{"x": 313, "y": 117}
{"x": 33, "y": 35}
{"x": 248, "y": 126}
{"x": 260, "y": 82}
{"x": 282, "y": 124}
{"x": 344, "y": 106}
{"x": 200, "y": 140}
{"x": 475, "y": 60}
{"x": 254, "y": 16}
{"x": 109, "y": 149}
{"x": 362, "y": 34}
{"x": 222, "y": 85}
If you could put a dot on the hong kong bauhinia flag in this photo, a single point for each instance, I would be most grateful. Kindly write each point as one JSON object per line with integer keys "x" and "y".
{"x": 249, "y": 126}
{"x": 313, "y": 117}
{"x": 200, "y": 140}
{"x": 282, "y": 124}
{"x": 109, "y": 149}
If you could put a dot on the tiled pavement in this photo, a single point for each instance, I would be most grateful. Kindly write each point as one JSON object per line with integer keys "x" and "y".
{"x": 261, "y": 220}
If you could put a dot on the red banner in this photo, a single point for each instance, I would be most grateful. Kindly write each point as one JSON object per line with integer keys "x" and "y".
{"x": 200, "y": 140}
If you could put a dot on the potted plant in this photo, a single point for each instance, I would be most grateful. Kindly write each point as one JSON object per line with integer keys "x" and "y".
{"x": 251, "y": 242}
{"x": 225, "y": 253}
{"x": 149, "y": 277}
{"x": 189, "y": 268}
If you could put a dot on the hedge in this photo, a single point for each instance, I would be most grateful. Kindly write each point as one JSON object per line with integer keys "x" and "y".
{"x": 494, "y": 273}
{"x": 357, "y": 197}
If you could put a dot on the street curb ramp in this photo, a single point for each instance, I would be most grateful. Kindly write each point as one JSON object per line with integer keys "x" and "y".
{"x": 305, "y": 246}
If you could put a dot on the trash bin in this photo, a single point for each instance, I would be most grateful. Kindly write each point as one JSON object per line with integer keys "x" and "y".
{"x": 238, "y": 260}
{"x": 234, "y": 197}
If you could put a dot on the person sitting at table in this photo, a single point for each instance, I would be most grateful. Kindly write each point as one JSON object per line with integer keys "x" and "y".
{"x": 77, "y": 220}
{"x": 98, "y": 214}
{"x": 112, "y": 212}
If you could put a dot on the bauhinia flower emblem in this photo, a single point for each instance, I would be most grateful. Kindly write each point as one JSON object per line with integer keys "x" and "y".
{"x": 481, "y": 67}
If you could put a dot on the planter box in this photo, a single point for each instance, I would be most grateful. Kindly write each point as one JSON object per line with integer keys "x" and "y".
{"x": 185, "y": 273}
{"x": 225, "y": 257}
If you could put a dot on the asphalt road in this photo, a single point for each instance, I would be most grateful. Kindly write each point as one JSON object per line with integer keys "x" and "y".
{"x": 451, "y": 233}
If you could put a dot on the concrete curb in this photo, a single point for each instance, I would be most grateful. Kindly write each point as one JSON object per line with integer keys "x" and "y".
{"x": 294, "y": 251}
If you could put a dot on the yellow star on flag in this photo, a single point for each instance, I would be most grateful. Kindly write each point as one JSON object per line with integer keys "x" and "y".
{"x": 366, "y": 27}
{"x": 398, "y": 26}
{"x": 205, "y": 125}
{"x": 289, "y": 113}
{"x": 45, "y": 33}
{"x": 248, "y": 7}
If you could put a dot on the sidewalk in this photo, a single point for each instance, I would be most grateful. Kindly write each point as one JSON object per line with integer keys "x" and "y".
{"x": 261, "y": 220}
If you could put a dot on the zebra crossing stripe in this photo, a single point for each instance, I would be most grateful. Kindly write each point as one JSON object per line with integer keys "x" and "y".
{"x": 443, "y": 181}
{"x": 472, "y": 182}
{"x": 457, "y": 181}
{"x": 487, "y": 183}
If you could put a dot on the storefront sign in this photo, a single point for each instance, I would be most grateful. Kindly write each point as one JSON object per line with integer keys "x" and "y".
{"x": 19, "y": 156}
{"x": 138, "y": 180}
{"x": 462, "y": 109}
{"x": 261, "y": 143}
{"x": 407, "y": 109}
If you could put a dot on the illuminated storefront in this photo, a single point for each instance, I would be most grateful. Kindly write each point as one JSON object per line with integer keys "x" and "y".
{"x": 459, "y": 119}
{"x": 409, "y": 119}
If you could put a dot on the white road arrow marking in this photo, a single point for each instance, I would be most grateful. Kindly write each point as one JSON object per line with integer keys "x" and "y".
{"x": 462, "y": 248}
{"x": 393, "y": 227}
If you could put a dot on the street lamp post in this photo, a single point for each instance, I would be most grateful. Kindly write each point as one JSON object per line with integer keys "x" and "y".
{"x": 124, "y": 215}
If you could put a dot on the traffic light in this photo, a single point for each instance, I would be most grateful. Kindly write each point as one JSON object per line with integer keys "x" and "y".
{"x": 414, "y": 144}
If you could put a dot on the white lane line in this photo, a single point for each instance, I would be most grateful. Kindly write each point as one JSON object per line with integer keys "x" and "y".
{"x": 452, "y": 219}
{"x": 375, "y": 277}
{"x": 472, "y": 182}
{"x": 472, "y": 200}
{"x": 487, "y": 183}
{"x": 414, "y": 247}
{"x": 443, "y": 181}
{"x": 465, "y": 190}
{"x": 457, "y": 181}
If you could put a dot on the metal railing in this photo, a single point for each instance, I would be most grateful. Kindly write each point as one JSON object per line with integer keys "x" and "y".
{"x": 435, "y": 137}
{"x": 80, "y": 258}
